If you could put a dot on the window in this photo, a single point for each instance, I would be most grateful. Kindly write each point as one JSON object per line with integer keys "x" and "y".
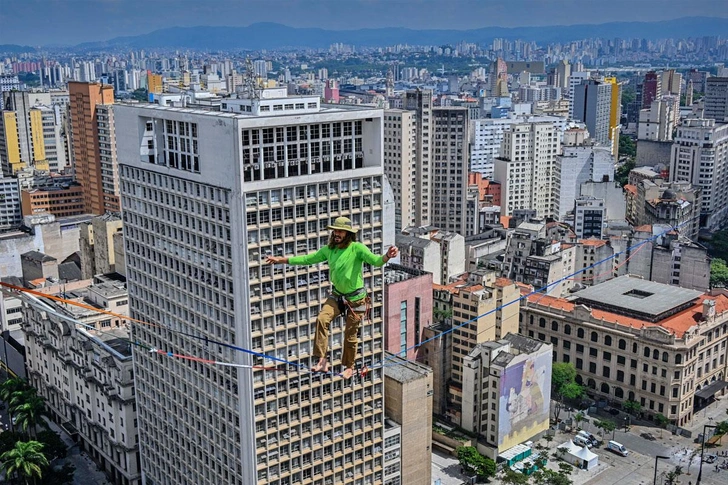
{"x": 621, "y": 360}
{"x": 607, "y": 356}
{"x": 567, "y": 329}
{"x": 606, "y": 371}
{"x": 579, "y": 364}
{"x": 594, "y": 337}
{"x": 622, "y": 344}
{"x": 608, "y": 340}
{"x": 620, "y": 376}
{"x": 579, "y": 348}
{"x": 403, "y": 326}
{"x": 580, "y": 333}
{"x": 593, "y": 352}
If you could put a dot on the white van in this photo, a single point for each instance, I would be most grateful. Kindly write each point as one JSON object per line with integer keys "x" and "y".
{"x": 617, "y": 448}
{"x": 582, "y": 441}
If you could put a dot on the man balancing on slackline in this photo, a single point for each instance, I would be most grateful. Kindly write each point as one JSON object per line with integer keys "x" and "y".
{"x": 345, "y": 257}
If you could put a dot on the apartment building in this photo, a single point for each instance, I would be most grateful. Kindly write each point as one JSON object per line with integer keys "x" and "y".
{"x": 21, "y": 135}
{"x": 635, "y": 340}
{"x": 578, "y": 163}
{"x": 450, "y": 168}
{"x": 479, "y": 304}
{"x": 507, "y": 388}
{"x": 527, "y": 169}
{"x": 675, "y": 204}
{"x": 80, "y": 361}
{"x": 420, "y": 101}
{"x": 10, "y": 215}
{"x": 700, "y": 156}
{"x": 86, "y": 121}
{"x": 408, "y": 389}
{"x": 400, "y": 163}
{"x": 211, "y": 195}
{"x": 408, "y": 309}
{"x": 589, "y": 217}
{"x": 592, "y": 104}
{"x": 716, "y": 99}
{"x": 61, "y": 201}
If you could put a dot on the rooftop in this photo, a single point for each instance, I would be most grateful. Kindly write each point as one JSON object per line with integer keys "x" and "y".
{"x": 637, "y": 297}
{"x": 677, "y": 323}
{"x": 405, "y": 370}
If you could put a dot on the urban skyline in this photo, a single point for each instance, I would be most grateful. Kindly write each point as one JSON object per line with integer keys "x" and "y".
{"x": 73, "y": 21}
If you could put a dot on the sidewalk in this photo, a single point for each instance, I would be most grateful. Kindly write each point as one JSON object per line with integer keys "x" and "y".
{"x": 86, "y": 471}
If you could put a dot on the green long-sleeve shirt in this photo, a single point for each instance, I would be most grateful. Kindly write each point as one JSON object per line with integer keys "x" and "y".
{"x": 345, "y": 265}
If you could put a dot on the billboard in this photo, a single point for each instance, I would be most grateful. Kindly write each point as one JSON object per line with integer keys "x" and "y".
{"x": 525, "y": 396}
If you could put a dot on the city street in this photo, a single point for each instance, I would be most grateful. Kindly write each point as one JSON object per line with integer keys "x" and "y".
{"x": 635, "y": 469}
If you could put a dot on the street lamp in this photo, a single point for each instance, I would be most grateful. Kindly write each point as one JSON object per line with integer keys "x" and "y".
{"x": 658, "y": 457}
{"x": 702, "y": 450}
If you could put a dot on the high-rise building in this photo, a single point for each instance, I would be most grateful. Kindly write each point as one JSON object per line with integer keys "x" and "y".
{"x": 61, "y": 201}
{"x": 10, "y": 215}
{"x": 651, "y": 89}
{"x": 589, "y": 217}
{"x": 659, "y": 121}
{"x": 592, "y": 105}
{"x": 450, "y": 168}
{"x": 563, "y": 73}
{"x": 479, "y": 303}
{"x": 21, "y": 135}
{"x": 671, "y": 82}
{"x": 527, "y": 169}
{"x": 90, "y": 129}
{"x": 206, "y": 196}
{"x": 400, "y": 163}
{"x": 716, "y": 99}
{"x": 420, "y": 101}
{"x": 85, "y": 373}
{"x": 499, "y": 78}
{"x": 577, "y": 164}
{"x": 8, "y": 83}
{"x": 700, "y": 156}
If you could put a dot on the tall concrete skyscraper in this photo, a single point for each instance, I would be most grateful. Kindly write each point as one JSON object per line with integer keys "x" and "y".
{"x": 700, "y": 156}
{"x": 527, "y": 169}
{"x": 592, "y": 105}
{"x": 420, "y": 101}
{"x": 450, "y": 160}
{"x": 400, "y": 163}
{"x": 651, "y": 89}
{"x": 716, "y": 99}
{"x": 89, "y": 125}
{"x": 206, "y": 196}
{"x": 21, "y": 134}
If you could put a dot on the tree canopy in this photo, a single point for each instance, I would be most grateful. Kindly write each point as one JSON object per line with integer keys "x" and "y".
{"x": 718, "y": 273}
{"x": 473, "y": 462}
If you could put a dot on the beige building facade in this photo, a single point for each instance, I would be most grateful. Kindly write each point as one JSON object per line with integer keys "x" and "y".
{"x": 630, "y": 339}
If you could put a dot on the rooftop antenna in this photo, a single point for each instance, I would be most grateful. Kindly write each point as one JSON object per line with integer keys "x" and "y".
{"x": 251, "y": 80}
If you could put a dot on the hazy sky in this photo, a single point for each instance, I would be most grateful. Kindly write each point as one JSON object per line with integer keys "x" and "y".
{"x": 39, "y": 22}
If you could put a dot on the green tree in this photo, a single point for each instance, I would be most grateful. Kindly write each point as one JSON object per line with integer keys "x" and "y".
{"x": 672, "y": 477}
{"x": 511, "y": 477}
{"x": 718, "y": 273}
{"x": 14, "y": 391}
{"x": 662, "y": 421}
{"x": 564, "y": 386}
{"x": 632, "y": 407}
{"x": 721, "y": 428}
{"x": 622, "y": 174}
{"x": 141, "y": 95}
{"x": 550, "y": 477}
{"x": 30, "y": 414}
{"x": 473, "y": 462}
{"x": 718, "y": 245}
{"x": 53, "y": 446}
{"x": 608, "y": 426}
{"x": 565, "y": 469}
{"x": 578, "y": 418}
{"x": 26, "y": 461}
{"x": 627, "y": 146}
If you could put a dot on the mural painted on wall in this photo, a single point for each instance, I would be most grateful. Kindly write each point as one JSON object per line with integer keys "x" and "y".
{"x": 525, "y": 388}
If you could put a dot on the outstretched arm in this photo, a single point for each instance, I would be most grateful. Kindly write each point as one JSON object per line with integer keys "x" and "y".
{"x": 313, "y": 258}
{"x": 276, "y": 260}
{"x": 391, "y": 253}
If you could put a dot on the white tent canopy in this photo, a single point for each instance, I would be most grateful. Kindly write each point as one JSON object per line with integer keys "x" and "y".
{"x": 580, "y": 456}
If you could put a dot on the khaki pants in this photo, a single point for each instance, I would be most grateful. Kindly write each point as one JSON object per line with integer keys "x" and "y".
{"x": 329, "y": 311}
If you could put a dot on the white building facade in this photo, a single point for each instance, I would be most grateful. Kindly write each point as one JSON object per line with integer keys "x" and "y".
{"x": 210, "y": 196}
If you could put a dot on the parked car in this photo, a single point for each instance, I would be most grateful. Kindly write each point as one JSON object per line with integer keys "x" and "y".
{"x": 582, "y": 441}
{"x": 617, "y": 448}
{"x": 590, "y": 437}
{"x": 648, "y": 436}
{"x": 710, "y": 458}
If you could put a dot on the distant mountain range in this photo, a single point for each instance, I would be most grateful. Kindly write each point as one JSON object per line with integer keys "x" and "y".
{"x": 15, "y": 49}
{"x": 274, "y": 36}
